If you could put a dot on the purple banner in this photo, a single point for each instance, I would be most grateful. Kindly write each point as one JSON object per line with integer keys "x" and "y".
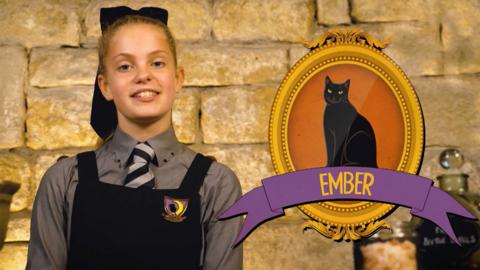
{"x": 345, "y": 183}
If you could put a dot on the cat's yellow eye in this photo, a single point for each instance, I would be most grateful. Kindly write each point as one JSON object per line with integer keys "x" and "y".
{"x": 329, "y": 91}
{"x": 340, "y": 92}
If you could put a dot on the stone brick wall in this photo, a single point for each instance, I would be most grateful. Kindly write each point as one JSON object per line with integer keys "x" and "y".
{"x": 235, "y": 55}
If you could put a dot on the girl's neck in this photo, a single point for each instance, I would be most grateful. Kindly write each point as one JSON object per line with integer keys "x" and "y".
{"x": 143, "y": 132}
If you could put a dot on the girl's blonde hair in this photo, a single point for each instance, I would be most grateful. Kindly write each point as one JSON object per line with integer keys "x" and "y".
{"x": 104, "y": 40}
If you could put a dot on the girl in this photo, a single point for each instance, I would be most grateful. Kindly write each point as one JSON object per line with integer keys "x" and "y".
{"x": 142, "y": 200}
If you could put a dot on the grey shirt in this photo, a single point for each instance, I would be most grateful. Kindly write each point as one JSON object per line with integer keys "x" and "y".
{"x": 52, "y": 209}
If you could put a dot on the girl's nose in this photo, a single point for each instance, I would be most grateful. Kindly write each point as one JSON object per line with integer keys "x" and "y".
{"x": 143, "y": 75}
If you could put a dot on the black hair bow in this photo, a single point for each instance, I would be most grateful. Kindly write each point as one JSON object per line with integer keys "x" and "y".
{"x": 109, "y": 15}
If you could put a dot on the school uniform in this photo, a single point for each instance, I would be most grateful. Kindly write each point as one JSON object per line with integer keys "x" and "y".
{"x": 85, "y": 218}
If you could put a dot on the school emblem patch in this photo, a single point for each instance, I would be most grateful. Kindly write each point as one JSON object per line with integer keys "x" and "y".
{"x": 174, "y": 209}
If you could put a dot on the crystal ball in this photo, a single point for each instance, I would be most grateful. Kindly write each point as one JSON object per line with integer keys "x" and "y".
{"x": 451, "y": 159}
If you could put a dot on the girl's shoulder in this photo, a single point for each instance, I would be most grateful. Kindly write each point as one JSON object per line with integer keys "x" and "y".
{"x": 219, "y": 174}
{"x": 67, "y": 166}
{"x": 57, "y": 178}
{"x": 63, "y": 172}
{"x": 63, "y": 168}
{"x": 217, "y": 167}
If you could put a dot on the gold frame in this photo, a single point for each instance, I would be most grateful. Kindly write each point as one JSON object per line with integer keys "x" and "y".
{"x": 350, "y": 46}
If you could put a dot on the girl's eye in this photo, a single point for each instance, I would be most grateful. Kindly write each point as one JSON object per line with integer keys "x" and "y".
{"x": 124, "y": 67}
{"x": 158, "y": 64}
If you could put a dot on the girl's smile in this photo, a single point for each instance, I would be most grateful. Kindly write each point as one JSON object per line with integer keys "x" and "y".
{"x": 145, "y": 95}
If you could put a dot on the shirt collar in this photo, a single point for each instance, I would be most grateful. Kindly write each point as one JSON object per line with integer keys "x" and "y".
{"x": 165, "y": 145}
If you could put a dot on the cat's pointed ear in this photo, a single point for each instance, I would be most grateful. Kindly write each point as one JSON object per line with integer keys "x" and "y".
{"x": 327, "y": 80}
{"x": 347, "y": 83}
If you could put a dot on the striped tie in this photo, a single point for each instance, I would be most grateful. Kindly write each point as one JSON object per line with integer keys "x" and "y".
{"x": 139, "y": 173}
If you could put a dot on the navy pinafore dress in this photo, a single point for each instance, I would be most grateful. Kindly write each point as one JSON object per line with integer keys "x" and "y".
{"x": 117, "y": 227}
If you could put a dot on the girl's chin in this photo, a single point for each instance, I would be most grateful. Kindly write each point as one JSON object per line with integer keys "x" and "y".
{"x": 148, "y": 119}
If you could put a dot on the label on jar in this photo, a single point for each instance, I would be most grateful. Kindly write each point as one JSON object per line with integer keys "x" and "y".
{"x": 437, "y": 251}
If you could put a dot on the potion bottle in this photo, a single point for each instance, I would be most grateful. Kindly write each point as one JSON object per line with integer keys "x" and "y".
{"x": 435, "y": 249}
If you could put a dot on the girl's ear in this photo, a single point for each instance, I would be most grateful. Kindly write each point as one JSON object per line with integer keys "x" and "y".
{"x": 102, "y": 83}
{"x": 180, "y": 77}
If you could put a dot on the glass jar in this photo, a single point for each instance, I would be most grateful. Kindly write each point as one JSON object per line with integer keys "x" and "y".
{"x": 388, "y": 249}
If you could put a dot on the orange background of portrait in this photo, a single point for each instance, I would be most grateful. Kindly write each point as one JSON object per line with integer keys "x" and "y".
{"x": 372, "y": 98}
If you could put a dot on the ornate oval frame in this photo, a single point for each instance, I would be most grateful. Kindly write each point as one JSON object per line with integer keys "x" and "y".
{"x": 354, "y": 47}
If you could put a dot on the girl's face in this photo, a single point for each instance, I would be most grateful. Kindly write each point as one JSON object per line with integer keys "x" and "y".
{"x": 140, "y": 75}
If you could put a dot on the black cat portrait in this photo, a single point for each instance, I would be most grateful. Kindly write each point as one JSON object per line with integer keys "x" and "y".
{"x": 349, "y": 137}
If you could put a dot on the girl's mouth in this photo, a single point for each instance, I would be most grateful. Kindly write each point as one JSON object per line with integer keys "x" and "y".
{"x": 147, "y": 93}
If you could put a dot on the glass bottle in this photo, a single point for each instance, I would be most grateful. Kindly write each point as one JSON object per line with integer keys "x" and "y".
{"x": 435, "y": 248}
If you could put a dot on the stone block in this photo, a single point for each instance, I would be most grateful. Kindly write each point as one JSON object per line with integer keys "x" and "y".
{"x": 280, "y": 244}
{"x": 13, "y": 256}
{"x": 381, "y": 11}
{"x": 52, "y": 67}
{"x": 450, "y": 107}
{"x": 185, "y": 115}
{"x": 39, "y": 23}
{"x": 236, "y": 114}
{"x": 188, "y": 20}
{"x": 17, "y": 168}
{"x": 296, "y": 53}
{"x": 331, "y": 12}
{"x": 59, "y": 118}
{"x": 283, "y": 20}
{"x": 414, "y": 46}
{"x": 461, "y": 36}
{"x": 221, "y": 65}
{"x": 18, "y": 229}
{"x": 13, "y": 61}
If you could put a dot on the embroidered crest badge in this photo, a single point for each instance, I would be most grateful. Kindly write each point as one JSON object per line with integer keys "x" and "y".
{"x": 174, "y": 209}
